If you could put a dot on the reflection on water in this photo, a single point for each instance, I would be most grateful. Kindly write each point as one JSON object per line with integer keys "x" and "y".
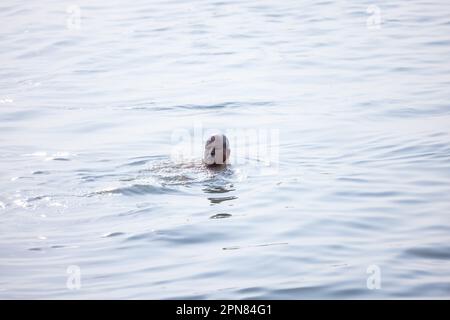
{"x": 216, "y": 200}
{"x": 361, "y": 175}
{"x": 221, "y": 216}
{"x": 220, "y": 185}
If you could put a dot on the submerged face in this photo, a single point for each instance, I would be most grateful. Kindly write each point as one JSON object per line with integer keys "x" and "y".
{"x": 217, "y": 150}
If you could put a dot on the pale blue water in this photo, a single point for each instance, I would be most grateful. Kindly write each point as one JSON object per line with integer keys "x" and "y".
{"x": 88, "y": 108}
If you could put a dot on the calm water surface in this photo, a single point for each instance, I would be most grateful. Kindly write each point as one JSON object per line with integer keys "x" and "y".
{"x": 90, "y": 99}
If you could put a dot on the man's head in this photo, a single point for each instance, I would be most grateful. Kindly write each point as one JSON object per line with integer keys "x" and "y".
{"x": 217, "y": 150}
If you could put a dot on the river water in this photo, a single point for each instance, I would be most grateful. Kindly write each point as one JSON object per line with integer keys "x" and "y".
{"x": 338, "y": 116}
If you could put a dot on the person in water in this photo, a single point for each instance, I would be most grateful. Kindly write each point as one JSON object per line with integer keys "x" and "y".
{"x": 217, "y": 150}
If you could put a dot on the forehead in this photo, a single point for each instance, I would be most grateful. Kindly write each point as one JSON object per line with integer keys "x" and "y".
{"x": 218, "y": 139}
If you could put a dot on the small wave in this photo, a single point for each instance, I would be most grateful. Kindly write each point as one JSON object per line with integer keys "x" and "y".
{"x": 137, "y": 189}
{"x": 139, "y": 161}
{"x": 255, "y": 246}
{"x": 181, "y": 236}
{"x": 39, "y": 172}
{"x": 219, "y": 189}
{"x": 221, "y": 216}
{"x": 151, "y": 106}
{"x": 113, "y": 234}
{"x": 57, "y": 156}
{"x": 441, "y": 253}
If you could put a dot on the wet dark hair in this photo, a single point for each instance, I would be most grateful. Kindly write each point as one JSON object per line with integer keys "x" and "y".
{"x": 224, "y": 148}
